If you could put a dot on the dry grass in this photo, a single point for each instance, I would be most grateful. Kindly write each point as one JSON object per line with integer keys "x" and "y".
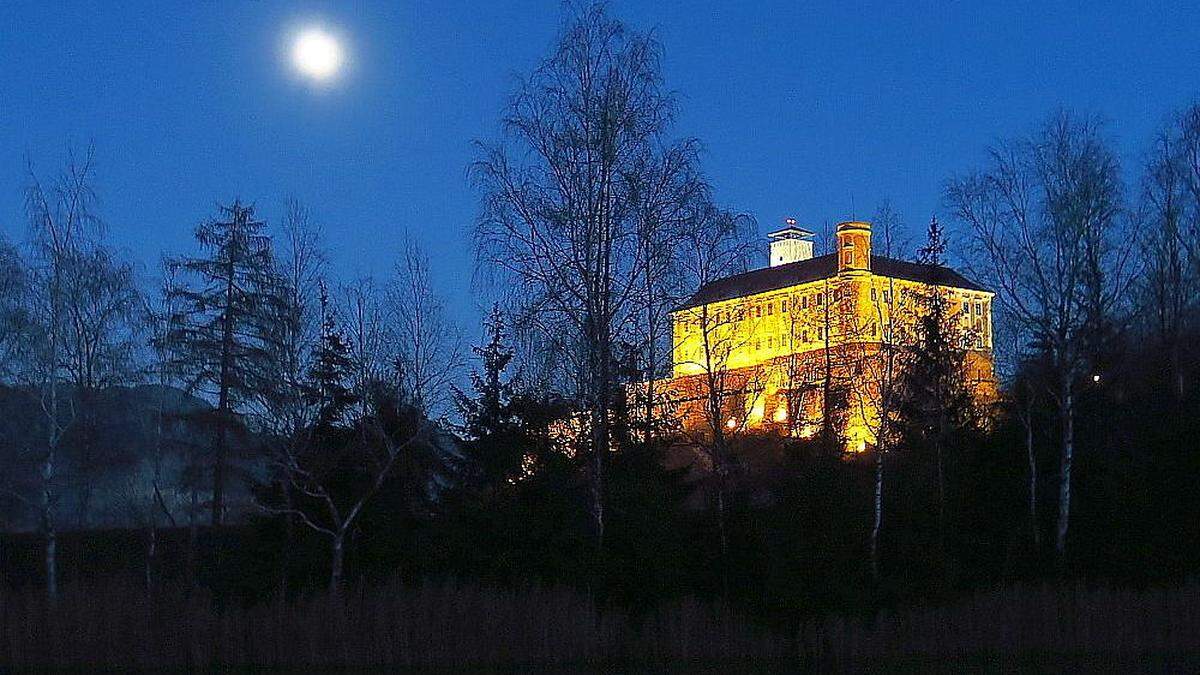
{"x": 1039, "y": 625}
{"x": 454, "y": 627}
{"x": 430, "y": 626}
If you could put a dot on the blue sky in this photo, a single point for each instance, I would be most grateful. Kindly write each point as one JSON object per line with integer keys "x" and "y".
{"x": 817, "y": 110}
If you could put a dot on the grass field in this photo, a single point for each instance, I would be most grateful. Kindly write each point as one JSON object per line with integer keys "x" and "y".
{"x": 450, "y": 627}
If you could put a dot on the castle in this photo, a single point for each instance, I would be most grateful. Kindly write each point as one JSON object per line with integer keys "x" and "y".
{"x": 761, "y": 351}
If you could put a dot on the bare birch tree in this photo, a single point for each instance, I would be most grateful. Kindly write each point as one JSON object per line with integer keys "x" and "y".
{"x": 338, "y": 462}
{"x": 716, "y": 244}
{"x": 1170, "y": 207}
{"x": 61, "y": 219}
{"x": 429, "y": 347}
{"x": 561, "y": 202}
{"x": 1042, "y": 215}
{"x": 104, "y": 332}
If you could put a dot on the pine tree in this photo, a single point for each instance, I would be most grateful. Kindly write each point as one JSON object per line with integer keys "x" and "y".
{"x": 223, "y": 338}
{"x": 329, "y": 387}
{"x": 494, "y": 452}
{"x": 936, "y": 405}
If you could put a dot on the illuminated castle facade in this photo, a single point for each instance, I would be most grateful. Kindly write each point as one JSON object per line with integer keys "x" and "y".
{"x": 766, "y": 347}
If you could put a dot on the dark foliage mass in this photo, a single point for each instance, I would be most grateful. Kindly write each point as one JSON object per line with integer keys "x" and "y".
{"x": 257, "y": 466}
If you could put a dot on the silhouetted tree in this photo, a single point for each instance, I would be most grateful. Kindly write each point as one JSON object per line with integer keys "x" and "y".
{"x": 1043, "y": 216}
{"x": 493, "y": 446}
{"x": 224, "y": 339}
{"x": 563, "y": 218}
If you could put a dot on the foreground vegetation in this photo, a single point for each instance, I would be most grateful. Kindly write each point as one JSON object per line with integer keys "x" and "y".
{"x": 449, "y": 626}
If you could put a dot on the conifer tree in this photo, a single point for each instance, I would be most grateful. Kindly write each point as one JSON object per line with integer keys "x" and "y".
{"x": 223, "y": 338}
{"x": 936, "y": 403}
{"x": 329, "y": 387}
{"x": 494, "y": 452}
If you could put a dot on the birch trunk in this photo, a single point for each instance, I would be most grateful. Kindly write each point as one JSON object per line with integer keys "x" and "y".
{"x": 1064, "y": 482}
{"x": 1029, "y": 452}
{"x": 877, "y": 522}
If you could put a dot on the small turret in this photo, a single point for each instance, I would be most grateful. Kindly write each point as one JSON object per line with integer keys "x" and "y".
{"x": 854, "y": 246}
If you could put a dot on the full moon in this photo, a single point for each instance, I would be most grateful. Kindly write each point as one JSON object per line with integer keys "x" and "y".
{"x": 317, "y": 54}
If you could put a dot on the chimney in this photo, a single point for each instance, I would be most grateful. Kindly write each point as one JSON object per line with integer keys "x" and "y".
{"x": 791, "y": 244}
{"x": 854, "y": 246}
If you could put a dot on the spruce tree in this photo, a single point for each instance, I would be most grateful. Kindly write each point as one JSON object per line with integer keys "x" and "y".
{"x": 493, "y": 450}
{"x": 936, "y": 405}
{"x": 329, "y": 388}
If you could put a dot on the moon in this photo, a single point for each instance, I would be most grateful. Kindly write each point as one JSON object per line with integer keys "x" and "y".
{"x": 317, "y": 54}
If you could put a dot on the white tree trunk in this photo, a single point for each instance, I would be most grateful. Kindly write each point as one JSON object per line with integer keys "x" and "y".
{"x": 1064, "y": 482}
{"x": 878, "y": 520}
{"x": 1033, "y": 521}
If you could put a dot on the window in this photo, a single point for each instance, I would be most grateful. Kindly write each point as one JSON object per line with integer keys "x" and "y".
{"x": 873, "y": 294}
{"x": 820, "y": 299}
{"x": 887, "y": 297}
{"x": 804, "y": 302}
{"x": 783, "y": 306}
{"x": 770, "y": 308}
{"x": 821, "y": 333}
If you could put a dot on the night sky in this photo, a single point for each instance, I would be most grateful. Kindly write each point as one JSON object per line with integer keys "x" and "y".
{"x": 817, "y": 110}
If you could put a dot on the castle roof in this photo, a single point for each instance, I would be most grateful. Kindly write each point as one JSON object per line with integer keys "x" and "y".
{"x": 814, "y": 269}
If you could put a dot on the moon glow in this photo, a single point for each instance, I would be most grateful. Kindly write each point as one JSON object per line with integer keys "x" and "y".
{"x": 317, "y": 54}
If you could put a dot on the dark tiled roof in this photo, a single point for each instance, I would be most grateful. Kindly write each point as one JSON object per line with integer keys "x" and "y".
{"x": 820, "y": 267}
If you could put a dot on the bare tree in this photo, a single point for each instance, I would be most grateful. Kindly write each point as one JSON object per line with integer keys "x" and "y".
{"x": 429, "y": 346}
{"x": 364, "y": 320}
{"x": 14, "y": 281}
{"x": 1170, "y": 221}
{"x": 716, "y": 244}
{"x": 1043, "y": 215}
{"x": 881, "y": 366}
{"x": 301, "y": 264}
{"x": 337, "y": 463}
{"x": 102, "y": 348}
{"x": 562, "y": 216}
{"x": 61, "y": 219}
{"x": 673, "y": 202}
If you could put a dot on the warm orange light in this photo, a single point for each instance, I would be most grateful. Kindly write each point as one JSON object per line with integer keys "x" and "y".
{"x": 781, "y": 414}
{"x": 731, "y": 423}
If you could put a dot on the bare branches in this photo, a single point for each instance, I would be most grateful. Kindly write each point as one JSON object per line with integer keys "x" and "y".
{"x": 429, "y": 347}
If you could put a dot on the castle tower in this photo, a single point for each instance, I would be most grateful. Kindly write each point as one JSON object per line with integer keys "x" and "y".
{"x": 854, "y": 247}
{"x": 791, "y": 244}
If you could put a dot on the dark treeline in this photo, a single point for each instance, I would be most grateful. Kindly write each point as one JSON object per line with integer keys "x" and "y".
{"x": 254, "y": 428}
